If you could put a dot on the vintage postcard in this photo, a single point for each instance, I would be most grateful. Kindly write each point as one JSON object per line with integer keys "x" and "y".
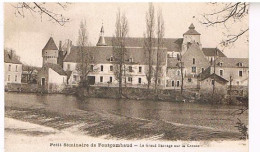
{"x": 126, "y": 77}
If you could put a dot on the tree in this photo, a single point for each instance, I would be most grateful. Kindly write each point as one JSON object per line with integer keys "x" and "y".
{"x": 42, "y": 9}
{"x": 160, "y": 35}
{"x": 149, "y": 41}
{"x": 180, "y": 66}
{"x": 214, "y": 72}
{"x": 86, "y": 57}
{"x": 228, "y": 15}
{"x": 119, "y": 49}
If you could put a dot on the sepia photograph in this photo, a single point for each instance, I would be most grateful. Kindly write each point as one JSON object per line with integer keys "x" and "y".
{"x": 126, "y": 76}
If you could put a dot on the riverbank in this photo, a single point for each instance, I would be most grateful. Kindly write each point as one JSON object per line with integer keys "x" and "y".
{"x": 191, "y": 95}
{"x": 21, "y": 136}
{"x": 175, "y": 95}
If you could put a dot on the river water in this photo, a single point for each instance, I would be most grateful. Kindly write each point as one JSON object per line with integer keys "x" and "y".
{"x": 218, "y": 117}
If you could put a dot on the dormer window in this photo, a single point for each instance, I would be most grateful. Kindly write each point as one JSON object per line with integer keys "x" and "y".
{"x": 111, "y": 59}
{"x": 220, "y": 63}
{"x": 240, "y": 64}
{"x": 131, "y": 60}
{"x": 92, "y": 58}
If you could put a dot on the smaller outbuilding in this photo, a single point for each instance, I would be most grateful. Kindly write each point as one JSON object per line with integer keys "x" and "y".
{"x": 52, "y": 78}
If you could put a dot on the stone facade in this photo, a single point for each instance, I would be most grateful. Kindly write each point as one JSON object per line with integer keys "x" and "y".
{"x": 187, "y": 51}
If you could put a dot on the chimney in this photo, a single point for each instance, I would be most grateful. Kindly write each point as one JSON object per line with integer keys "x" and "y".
{"x": 11, "y": 54}
{"x": 69, "y": 44}
{"x": 60, "y": 44}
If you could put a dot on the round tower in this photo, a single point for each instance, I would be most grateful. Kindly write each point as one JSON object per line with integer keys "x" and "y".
{"x": 50, "y": 52}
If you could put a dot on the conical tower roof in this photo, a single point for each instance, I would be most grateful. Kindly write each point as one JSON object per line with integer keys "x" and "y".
{"x": 101, "y": 40}
{"x": 191, "y": 31}
{"x": 50, "y": 45}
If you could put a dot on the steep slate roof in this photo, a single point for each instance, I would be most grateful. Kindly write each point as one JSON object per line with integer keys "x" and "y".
{"x": 102, "y": 54}
{"x": 172, "y": 44}
{"x": 55, "y": 67}
{"x": 50, "y": 45}
{"x": 211, "y": 52}
{"x": 232, "y": 62}
{"x": 9, "y": 59}
{"x": 191, "y": 31}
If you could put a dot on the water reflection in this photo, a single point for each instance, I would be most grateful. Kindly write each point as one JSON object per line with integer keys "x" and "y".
{"x": 217, "y": 116}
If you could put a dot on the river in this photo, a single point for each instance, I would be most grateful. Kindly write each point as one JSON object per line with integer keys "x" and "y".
{"x": 216, "y": 118}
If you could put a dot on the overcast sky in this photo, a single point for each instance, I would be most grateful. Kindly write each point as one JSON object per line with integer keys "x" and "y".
{"x": 28, "y": 35}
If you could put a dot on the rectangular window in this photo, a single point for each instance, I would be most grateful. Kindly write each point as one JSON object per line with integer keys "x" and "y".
{"x": 202, "y": 69}
{"x": 178, "y": 72}
{"x": 74, "y": 77}
{"x": 9, "y": 68}
{"x": 131, "y": 60}
{"x": 16, "y": 68}
{"x": 240, "y": 73}
{"x": 189, "y": 79}
{"x": 172, "y": 83}
{"x": 140, "y": 69}
{"x": 15, "y": 78}
{"x": 91, "y": 67}
{"x": 193, "y": 61}
{"x": 130, "y": 79}
{"x": 139, "y": 80}
{"x": 8, "y": 79}
{"x": 68, "y": 67}
{"x": 110, "y": 79}
{"x": 101, "y": 68}
{"x": 111, "y": 68}
{"x": 101, "y": 79}
{"x": 178, "y": 83}
{"x": 193, "y": 69}
{"x": 130, "y": 69}
{"x": 221, "y": 72}
{"x": 213, "y": 82}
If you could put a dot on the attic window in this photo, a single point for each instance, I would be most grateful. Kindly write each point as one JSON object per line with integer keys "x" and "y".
{"x": 111, "y": 59}
{"x": 220, "y": 63}
{"x": 240, "y": 64}
{"x": 131, "y": 60}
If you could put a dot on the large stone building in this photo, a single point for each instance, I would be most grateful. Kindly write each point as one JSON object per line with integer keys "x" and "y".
{"x": 177, "y": 56}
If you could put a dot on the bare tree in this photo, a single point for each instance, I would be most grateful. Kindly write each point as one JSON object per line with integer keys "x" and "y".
{"x": 214, "y": 72}
{"x": 86, "y": 57}
{"x": 149, "y": 41}
{"x": 229, "y": 13}
{"x": 42, "y": 9}
{"x": 119, "y": 49}
{"x": 160, "y": 35}
{"x": 180, "y": 66}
